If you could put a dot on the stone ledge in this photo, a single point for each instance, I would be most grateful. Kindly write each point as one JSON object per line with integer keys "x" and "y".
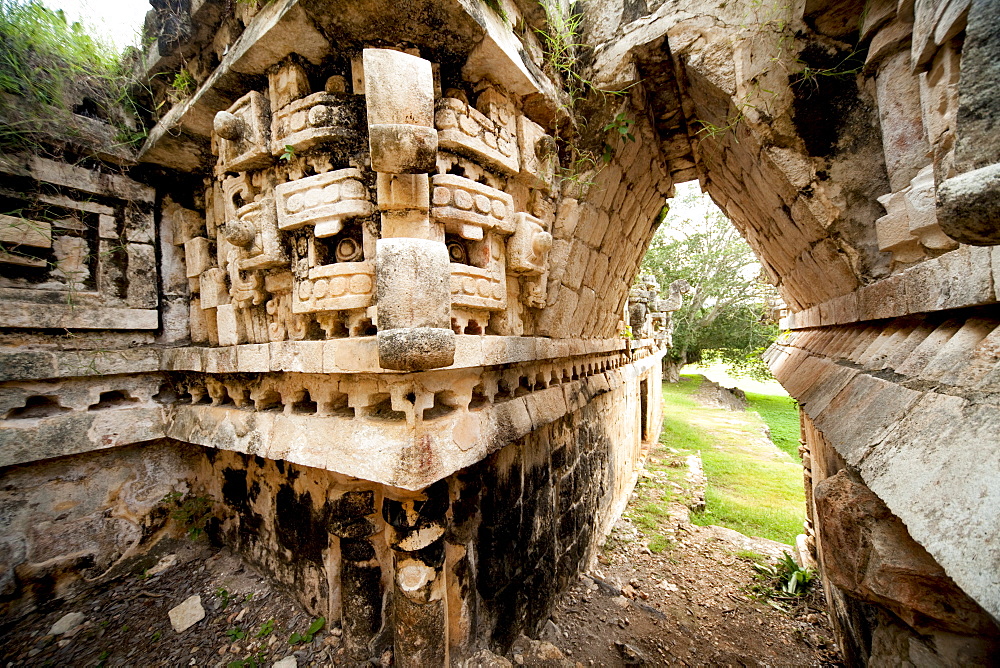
{"x": 409, "y": 455}
{"x": 920, "y": 447}
{"x": 76, "y": 432}
{"x": 958, "y": 279}
{"x": 351, "y": 355}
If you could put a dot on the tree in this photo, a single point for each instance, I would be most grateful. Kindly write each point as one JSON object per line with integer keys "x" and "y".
{"x": 725, "y": 317}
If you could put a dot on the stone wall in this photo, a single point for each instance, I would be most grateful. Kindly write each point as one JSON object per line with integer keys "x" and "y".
{"x": 469, "y": 562}
{"x": 73, "y": 522}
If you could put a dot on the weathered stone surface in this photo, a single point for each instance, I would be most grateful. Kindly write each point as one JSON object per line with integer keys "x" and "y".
{"x": 186, "y": 614}
{"x": 66, "y": 623}
{"x": 869, "y": 553}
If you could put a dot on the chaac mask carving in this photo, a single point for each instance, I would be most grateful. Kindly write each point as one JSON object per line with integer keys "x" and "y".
{"x": 362, "y": 202}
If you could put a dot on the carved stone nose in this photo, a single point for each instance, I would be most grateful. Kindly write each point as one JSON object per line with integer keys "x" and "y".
{"x": 228, "y": 126}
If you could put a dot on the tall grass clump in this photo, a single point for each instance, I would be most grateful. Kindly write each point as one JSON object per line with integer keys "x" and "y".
{"x": 51, "y": 73}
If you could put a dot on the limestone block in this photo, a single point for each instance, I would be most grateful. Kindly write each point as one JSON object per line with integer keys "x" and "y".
{"x": 412, "y": 283}
{"x": 893, "y": 230}
{"x": 470, "y": 209}
{"x": 967, "y": 206}
{"x": 287, "y": 83}
{"x": 899, "y": 109}
{"x": 182, "y": 359}
{"x": 939, "y": 94}
{"x": 528, "y": 249}
{"x": 16, "y": 231}
{"x": 965, "y": 278}
{"x": 978, "y": 120}
{"x": 243, "y": 133}
{"x": 230, "y": 328}
{"x": 335, "y": 287}
{"x": 855, "y": 417}
{"x": 476, "y": 288}
{"x": 399, "y": 90}
{"x": 957, "y": 351}
{"x": 868, "y": 552}
{"x": 567, "y": 218}
{"x": 253, "y": 358}
{"x": 197, "y": 256}
{"x": 139, "y": 226}
{"x": 416, "y": 348}
{"x": 468, "y": 132}
{"x": 187, "y": 614}
{"x": 921, "y": 210}
{"x": 219, "y": 360}
{"x": 537, "y": 153}
{"x": 320, "y": 118}
{"x": 142, "y": 291}
{"x": 298, "y": 356}
{"x": 404, "y": 200}
{"x": 351, "y": 355}
{"x": 254, "y": 231}
{"x": 214, "y": 291}
{"x": 324, "y": 201}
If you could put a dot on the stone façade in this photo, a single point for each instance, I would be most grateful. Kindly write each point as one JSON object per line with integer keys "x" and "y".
{"x": 362, "y": 288}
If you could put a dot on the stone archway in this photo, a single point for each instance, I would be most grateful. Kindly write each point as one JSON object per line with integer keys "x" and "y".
{"x": 378, "y": 263}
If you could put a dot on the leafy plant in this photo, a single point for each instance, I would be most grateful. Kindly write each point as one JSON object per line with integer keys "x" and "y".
{"x": 223, "y": 596}
{"x": 307, "y": 637}
{"x": 288, "y": 154}
{"x": 249, "y": 662}
{"x": 266, "y": 628}
{"x": 786, "y": 578}
{"x": 53, "y": 72}
{"x": 192, "y": 512}
{"x": 236, "y": 633}
{"x": 182, "y": 86}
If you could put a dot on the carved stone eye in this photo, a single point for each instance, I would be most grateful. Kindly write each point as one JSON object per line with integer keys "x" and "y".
{"x": 228, "y": 126}
{"x": 457, "y": 252}
{"x": 348, "y": 250}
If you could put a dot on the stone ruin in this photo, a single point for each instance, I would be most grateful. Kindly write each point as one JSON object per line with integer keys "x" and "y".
{"x": 365, "y": 283}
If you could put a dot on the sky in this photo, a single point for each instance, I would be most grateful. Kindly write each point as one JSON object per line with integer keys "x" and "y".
{"x": 119, "y": 21}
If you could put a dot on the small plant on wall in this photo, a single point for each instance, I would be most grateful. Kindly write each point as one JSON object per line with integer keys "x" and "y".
{"x": 190, "y": 511}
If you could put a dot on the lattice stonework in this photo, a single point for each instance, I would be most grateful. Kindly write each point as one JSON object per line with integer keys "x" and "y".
{"x": 76, "y": 250}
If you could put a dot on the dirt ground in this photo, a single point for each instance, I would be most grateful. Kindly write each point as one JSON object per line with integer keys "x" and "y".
{"x": 694, "y": 604}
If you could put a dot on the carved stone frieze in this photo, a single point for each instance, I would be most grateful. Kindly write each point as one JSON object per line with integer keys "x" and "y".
{"x": 243, "y": 134}
{"x": 324, "y": 201}
{"x": 465, "y": 130}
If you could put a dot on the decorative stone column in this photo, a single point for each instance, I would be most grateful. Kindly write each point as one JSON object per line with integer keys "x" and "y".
{"x": 416, "y": 535}
{"x": 412, "y": 270}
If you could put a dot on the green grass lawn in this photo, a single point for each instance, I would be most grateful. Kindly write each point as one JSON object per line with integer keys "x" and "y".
{"x": 751, "y": 487}
{"x": 782, "y": 418}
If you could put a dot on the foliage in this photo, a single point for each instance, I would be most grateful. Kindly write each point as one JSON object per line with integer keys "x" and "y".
{"x": 266, "y": 628}
{"x": 785, "y": 578}
{"x": 47, "y": 65}
{"x": 256, "y": 661}
{"x": 192, "y": 512}
{"x": 588, "y": 146}
{"x": 307, "y": 637}
{"x": 723, "y": 317}
{"x": 748, "y": 491}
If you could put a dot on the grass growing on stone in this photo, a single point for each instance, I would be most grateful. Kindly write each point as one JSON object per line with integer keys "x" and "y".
{"x": 752, "y": 488}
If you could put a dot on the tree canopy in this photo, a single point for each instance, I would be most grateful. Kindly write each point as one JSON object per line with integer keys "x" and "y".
{"x": 725, "y": 317}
